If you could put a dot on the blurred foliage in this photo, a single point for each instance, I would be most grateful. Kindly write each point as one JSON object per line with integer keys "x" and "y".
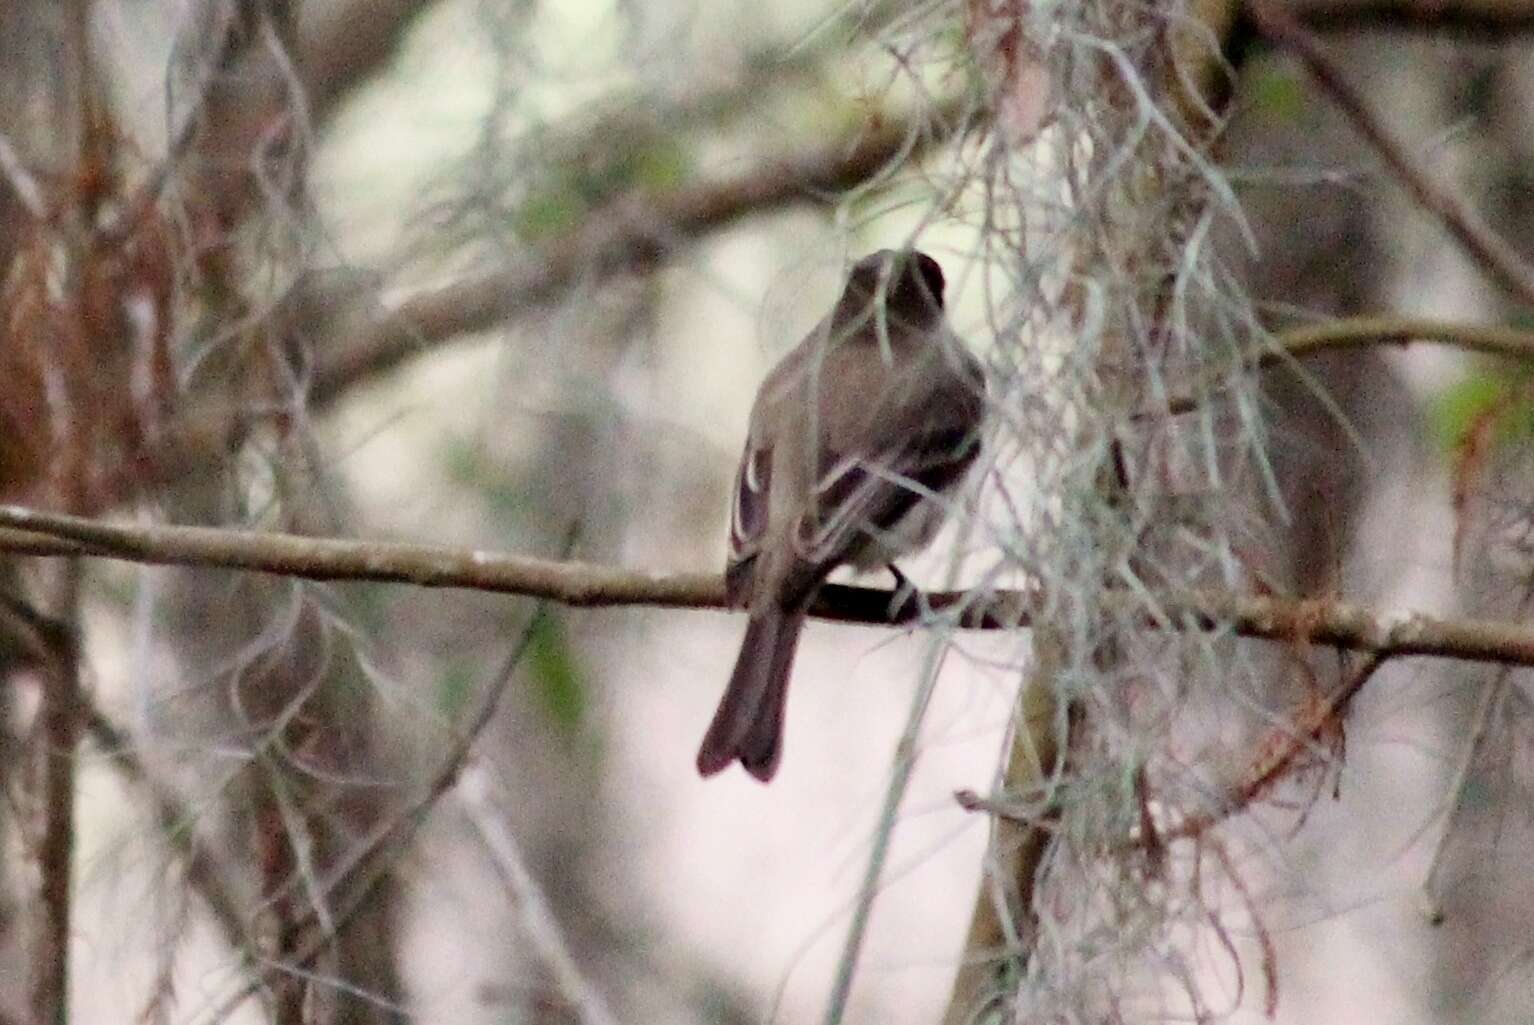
{"x": 556, "y": 679}
{"x": 1479, "y": 793}
{"x": 1499, "y": 396}
{"x": 455, "y": 685}
{"x": 1275, "y": 91}
{"x": 468, "y": 465}
{"x": 630, "y": 158}
{"x": 551, "y": 665}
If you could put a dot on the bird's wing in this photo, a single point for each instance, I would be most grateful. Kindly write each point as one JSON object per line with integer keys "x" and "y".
{"x": 859, "y": 497}
{"x": 748, "y": 520}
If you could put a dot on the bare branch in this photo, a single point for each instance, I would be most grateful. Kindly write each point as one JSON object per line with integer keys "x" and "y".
{"x": 348, "y": 43}
{"x": 1493, "y": 693}
{"x": 1275, "y": 759}
{"x": 1489, "y": 339}
{"x": 50, "y": 645}
{"x": 59, "y": 728}
{"x": 1320, "y": 623}
{"x": 1352, "y": 332}
{"x": 1487, "y": 248}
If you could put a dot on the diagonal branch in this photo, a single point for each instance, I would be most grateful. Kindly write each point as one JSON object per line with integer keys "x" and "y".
{"x": 343, "y": 45}
{"x": 1275, "y": 758}
{"x": 1490, "y": 250}
{"x": 1324, "y": 623}
{"x": 537, "y": 918}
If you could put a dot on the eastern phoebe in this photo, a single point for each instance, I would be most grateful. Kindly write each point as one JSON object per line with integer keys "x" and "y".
{"x": 854, "y": 438}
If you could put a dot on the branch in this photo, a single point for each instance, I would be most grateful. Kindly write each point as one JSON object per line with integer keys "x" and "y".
{"x": 1354, "y": 332}
{"x": 633, "y": 235}
{"x": 349, "y": 43}
{"x": 1493, "y": 693}
{"x": 1487, "y": 21}
{"x": 1321, "y": 623}
{"x": 54, "y": 752}
{"x": 1487, "y": 248}
{"x": 49, "y": 645}
{"x": 1489, "y": 339}
{"x": 630, "y": 235}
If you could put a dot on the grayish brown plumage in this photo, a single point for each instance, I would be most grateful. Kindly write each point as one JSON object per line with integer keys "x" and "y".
{"x": 855, "y": 436}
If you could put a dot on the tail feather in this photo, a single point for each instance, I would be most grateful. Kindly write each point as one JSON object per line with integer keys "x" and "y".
{"x": 748, "y": 725}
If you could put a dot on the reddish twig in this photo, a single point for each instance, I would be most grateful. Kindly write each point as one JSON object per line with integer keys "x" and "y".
{"x": 1277, "y": 756}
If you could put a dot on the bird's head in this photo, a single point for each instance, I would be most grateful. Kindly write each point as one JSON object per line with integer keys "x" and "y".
{"x": 908, "y": 284}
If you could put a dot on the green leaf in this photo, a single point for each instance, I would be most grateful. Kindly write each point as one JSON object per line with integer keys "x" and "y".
{"x": 556, "y": 678}
{"x": 1458, "y": 408}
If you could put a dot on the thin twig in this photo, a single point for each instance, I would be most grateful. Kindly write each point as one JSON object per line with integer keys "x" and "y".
{"x": 538, "y": 922}
{"x": 1487, "y": 248}
{"x": 1300, "y": 343}
{"x": 1272, "y": 764}
{"x": 1275, "y": 760}
{"x": 1491, "y": 697}
{"x": 883, "y": 836}
{"x": 176, "y": 826}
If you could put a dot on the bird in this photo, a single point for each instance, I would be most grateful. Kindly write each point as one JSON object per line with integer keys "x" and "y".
{"x": 856, "y": 437}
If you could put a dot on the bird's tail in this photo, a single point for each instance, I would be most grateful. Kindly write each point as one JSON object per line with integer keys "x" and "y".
{"x": 749, "y": 722}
